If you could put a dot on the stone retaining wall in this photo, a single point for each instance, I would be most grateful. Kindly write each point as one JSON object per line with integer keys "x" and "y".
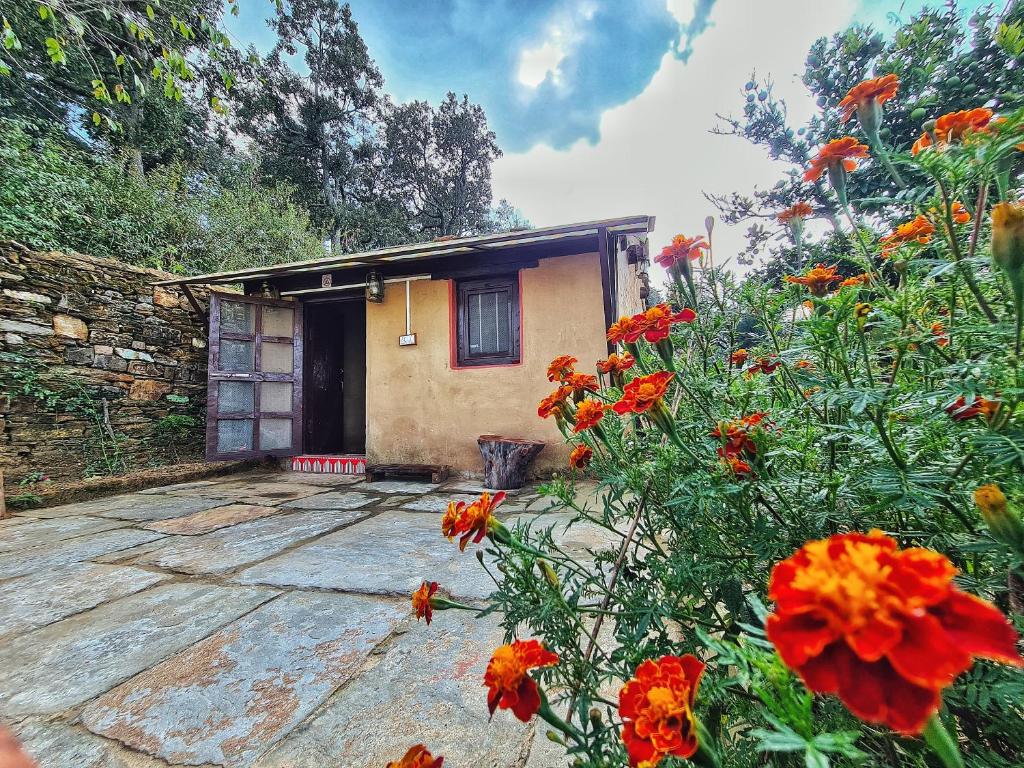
{"x": 113, "y": 356}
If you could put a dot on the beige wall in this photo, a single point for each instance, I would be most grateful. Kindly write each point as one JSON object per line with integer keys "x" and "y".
{"x": 420, "y": 410}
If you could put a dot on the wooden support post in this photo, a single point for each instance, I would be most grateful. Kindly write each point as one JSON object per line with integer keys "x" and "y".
{"x": 4, "y": 514}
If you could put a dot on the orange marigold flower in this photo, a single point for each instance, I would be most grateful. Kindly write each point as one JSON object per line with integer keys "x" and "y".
{"x": 862, "y": 279}
{"x": 737, "y": 434}
{"x": 656, "y": 707}
{"x": 471, "y": 522}
{"x": 764, "y": 365}
{"x": 626, "y": 329}
{"x": 796, "y": 211}
{"x": 657, "y": 321}
{"x": 418, "y": 757}
{"x": 643, "y": 393}
{"x": 582, "y": 382}
{"x": 739, "y": 357}
{"x": 959, "y": 410}
{"x": 865, "y": 95}
{"x": 580, "y": 457}
{"x": 842, "y": 152}
{"x": 509, "y": 685}
{"x": 918, "y": 230}
{"x": 954, "y": 126}
{"x": 681, "y": 249}
{"x": 939, "y": 330}
{"x": 616, "y": 363}
{"x": 960, "y": 214}
{"x": 588, "y": 414}
{"x": 818, "y": 280}
{"x": 735, "y": 464}
{"x": 554, "y": 403}
{"x": 450, "y": 519}
{"x": 886, "y": 630}
{"x": 804, "y": 365}
{"x": 421, "y": 601}
{"x": 561, "y": 368}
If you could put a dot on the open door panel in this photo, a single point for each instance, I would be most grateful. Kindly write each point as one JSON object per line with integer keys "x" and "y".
{"x": 254, "y": 402}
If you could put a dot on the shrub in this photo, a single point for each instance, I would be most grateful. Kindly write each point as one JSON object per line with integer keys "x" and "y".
{"x": 787, "y": 519}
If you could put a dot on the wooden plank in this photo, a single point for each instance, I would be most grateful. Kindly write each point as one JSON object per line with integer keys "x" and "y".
{"x": 438, "y": 472}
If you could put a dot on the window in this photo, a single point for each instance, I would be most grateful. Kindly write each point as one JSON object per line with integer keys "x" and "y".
{"x": 488, "y": 321}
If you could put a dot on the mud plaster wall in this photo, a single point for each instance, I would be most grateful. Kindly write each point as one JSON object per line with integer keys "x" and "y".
{"x": 87, "y": 325}
{"x": 421, "y": 410}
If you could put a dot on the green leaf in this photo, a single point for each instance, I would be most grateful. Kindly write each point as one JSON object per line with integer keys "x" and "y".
{"x": 4, "y": 70}
{"x": 150, "y": 12}
{"x": 96, "y": 118}
{"x": 55, "y": 51}
{"x": 815, "y": 759}
{"x": 44, "y": 12}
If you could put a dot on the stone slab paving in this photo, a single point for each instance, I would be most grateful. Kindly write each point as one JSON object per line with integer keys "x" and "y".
{"x": 71, "y": 661}
{"x": 332, "y": 500}
{"x": 224, "y": 550}
{"x": 71, "y": 551}
{"x": 49, "y": 530}
{"x": 434, "y": 502}
{"x": 61, "y": 745}
{"x": 268, "y": 492}
{"x": 212, "y": 519}
{"x": 427, "y": 687}
{"x": 404, "y": 486}
{"x": 247, "y": 685}
{"x": 390, "y": 553}
{"x": 41, "y": 598}
{"x": 132, "y": 506}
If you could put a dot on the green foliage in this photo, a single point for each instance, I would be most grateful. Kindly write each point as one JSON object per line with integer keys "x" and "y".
{"x": 55, "y": 195}
{"x": 945, "y": 62}
{"x": 868, "y": 417}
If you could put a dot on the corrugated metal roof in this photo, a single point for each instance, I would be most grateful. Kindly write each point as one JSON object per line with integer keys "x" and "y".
{"x": 432, "y": 249}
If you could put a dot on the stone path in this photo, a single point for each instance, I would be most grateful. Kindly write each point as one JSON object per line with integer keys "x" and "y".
{"x": 258, "y": 620}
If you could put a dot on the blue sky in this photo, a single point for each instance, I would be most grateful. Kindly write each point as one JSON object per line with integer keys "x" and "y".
{"x": 587, "y": 95}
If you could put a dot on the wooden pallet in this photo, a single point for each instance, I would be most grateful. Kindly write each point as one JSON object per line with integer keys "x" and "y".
{"x": 438, "y": 472}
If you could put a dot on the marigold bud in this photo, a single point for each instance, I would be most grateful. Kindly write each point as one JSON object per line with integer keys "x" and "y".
{"x": 549, "y": 573}
{"x": 1008, "y": 236}
{"x": 1003, "y": 522}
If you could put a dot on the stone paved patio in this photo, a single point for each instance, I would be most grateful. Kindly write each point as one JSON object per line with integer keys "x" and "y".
{"x": 257, "y": 620}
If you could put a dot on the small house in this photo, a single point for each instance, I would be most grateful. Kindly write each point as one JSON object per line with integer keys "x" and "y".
{"x": 405, "y": 355}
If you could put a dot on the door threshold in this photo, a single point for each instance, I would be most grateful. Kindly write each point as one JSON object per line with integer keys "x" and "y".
{"x": 330, "y": 464}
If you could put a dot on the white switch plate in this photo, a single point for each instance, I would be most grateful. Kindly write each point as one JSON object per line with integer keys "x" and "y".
{"x": 407, "y": 341}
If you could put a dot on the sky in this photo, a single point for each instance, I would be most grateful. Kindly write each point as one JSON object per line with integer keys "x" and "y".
{"x": 604, "y": 107}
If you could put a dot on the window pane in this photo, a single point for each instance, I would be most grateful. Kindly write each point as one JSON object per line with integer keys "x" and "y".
{"x": 234, "y": 435}
{"x": 275, "y": 397}
{"x": 236, "y": 356}
{"x": 276, "y": 357}
{"x": 489, "y": 319}
{"x": 277, "y": 321}
{"x": 235, "y": 397}
{"x": 275, "y": 434}
{"x": 236, "y": 317}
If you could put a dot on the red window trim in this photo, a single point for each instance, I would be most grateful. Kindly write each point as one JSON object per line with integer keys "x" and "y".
{"x": 453, "y": 331}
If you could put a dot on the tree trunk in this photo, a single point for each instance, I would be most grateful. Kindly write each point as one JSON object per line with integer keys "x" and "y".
{"x": 506, "y": 460}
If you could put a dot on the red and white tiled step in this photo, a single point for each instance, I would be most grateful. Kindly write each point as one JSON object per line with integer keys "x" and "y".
{"x": 332, "y": 464}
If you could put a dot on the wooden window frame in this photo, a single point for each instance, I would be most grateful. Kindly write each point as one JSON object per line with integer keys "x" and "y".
{"x": 469, "y": 286}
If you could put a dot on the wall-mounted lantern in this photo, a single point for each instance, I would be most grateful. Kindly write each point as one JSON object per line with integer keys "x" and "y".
{"x": 374, "y": 287}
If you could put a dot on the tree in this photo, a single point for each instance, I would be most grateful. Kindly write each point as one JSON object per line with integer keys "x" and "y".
{"x": 943, "y": 65}
{"x": 438, "y": 162}
{"x": 109, "y": 61}
{"x": 505, "y": 217}
{"x": 316, "y": 130}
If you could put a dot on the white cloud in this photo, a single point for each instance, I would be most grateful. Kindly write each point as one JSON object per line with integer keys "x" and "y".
{"x": 535, "y": 64}
{"x": 656, "y": 154}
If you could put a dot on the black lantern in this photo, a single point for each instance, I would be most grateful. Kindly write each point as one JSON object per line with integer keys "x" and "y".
{"x": 374, "y": 287}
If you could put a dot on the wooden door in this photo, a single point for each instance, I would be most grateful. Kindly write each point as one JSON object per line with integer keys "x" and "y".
{"x": 254, "y": 403}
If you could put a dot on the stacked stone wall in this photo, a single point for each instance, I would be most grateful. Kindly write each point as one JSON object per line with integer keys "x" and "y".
{"x": 100, "y": 371}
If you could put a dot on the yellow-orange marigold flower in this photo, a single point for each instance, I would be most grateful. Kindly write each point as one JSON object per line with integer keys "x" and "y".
{"x": 796, "y": 211}
{"x": 918, "y": 230}
{"x": 473, "y": 521}
{"x": 739, "y": 357}
{"x": 418, "y": 757}
{"x": 625, "y": 330}
{"x": 868, "y": 93}
{"x": 644, "y": 393}
{"x": 554, "y": 403}
{"x": 507, "y": 678}
{"x": 939, "y": 331}
{"x": 588, "y": 414}
{"x": 582, "y": 382}
{"x": 818, "y": 280}
{"x": 844, "y": 152}
{"x": 656, "y": 707}
{"x": 1008, "y": 236}
{"x": 561, "y": 368}
{"x": 616, "y": 363}
{"x": 856, "y": 281}
{"x": 421, "y": 601}
{"x": 885, "y": 630}
{"x": 580, "y": 457}
{"x": 959, "y": 410}
{"x": 682, "y": 248}
{"x": 954, "y": 126}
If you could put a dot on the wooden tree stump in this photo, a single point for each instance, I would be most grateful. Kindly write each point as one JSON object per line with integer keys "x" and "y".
{"x": 506, "y": 460}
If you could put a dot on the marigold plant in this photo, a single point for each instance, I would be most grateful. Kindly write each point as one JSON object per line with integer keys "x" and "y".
{"x": 807, "y": 501}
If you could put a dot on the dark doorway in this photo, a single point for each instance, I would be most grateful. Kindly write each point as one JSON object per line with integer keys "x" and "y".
{"x": 334, "y": 392}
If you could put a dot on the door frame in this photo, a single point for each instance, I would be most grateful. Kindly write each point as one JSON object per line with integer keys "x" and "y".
{"x": 215, "y": 376}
